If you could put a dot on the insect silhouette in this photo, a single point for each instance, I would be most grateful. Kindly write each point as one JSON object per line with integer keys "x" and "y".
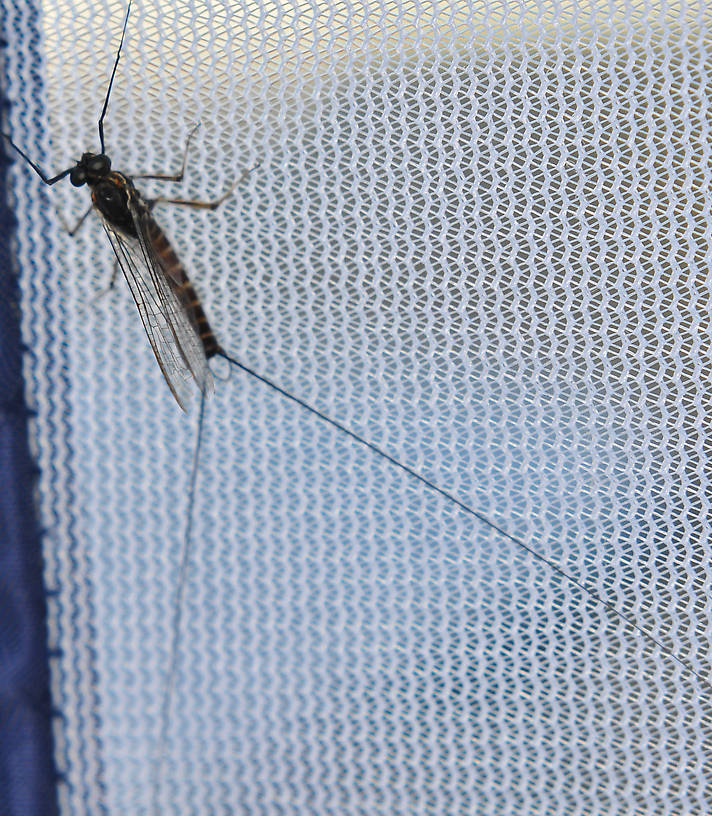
{"x": 184, "y": 343}
{"x": 171, "y": 312}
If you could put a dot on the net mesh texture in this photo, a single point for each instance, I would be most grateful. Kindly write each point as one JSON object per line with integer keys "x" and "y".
{"x": 477, "y": 234}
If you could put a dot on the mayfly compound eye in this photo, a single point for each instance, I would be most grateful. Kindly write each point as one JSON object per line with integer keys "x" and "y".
{"x": 99, "y": 164}
{"x": 78, "y": 176}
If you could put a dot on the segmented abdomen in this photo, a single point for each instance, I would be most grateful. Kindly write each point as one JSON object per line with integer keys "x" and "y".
{"x": 182, "y": 287}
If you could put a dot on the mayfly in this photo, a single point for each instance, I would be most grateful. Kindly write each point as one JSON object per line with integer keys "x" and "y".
{"x": 172, "y": 315}
{"x": 183, "y": 342}
{"x": 178, "y": 329}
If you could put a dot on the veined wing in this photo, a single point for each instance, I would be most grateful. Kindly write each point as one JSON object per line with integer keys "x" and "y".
{"x": 175, "y": 342}
{"x": 185, "y": 332}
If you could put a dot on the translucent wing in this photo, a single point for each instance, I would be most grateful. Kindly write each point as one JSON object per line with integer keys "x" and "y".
{"x": 174, "y": 340}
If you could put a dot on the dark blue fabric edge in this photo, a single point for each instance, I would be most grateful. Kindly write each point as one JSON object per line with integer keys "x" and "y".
{"x": 28, "y": 774}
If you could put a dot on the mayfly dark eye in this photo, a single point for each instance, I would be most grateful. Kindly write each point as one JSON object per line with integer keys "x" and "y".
{"x": 78, "y": 176}
{"x": 99, "y": 165}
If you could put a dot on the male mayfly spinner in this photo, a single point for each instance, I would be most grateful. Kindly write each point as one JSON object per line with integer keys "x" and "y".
{"x": 170, "y": 310}
{"x": 183, "y": 343}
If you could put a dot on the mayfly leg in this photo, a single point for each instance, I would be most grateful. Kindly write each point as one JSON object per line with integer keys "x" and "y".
{"x": 176, "y": 176}
{"x": 202, "y": 205}
{"x": 72, "y": 231}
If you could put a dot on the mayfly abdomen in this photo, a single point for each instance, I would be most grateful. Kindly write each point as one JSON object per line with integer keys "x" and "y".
{"x": 182, "y": 287}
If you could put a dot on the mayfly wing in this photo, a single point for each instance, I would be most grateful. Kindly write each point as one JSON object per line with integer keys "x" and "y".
{"x": 174, "y": 338}
{"x": 179, "y": 282}
{"x": 160, "y": 336}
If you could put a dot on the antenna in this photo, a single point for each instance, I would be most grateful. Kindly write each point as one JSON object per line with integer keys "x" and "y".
{"x": 111, "y": 81}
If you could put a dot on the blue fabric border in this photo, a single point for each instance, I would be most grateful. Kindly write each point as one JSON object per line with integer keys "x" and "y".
{"x": 28, "y": 776}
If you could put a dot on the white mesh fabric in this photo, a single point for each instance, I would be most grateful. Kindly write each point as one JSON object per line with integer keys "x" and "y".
{"x": 479, "y": 235}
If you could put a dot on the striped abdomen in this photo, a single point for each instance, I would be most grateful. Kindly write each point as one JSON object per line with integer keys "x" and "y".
{"x": 182, "y": 288}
